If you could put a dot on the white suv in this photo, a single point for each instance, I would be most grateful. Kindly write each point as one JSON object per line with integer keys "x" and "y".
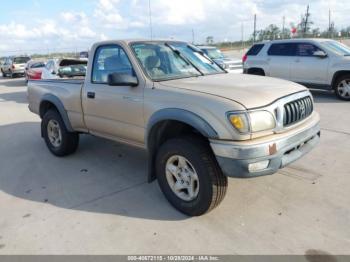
{"x": 316, "y": 63}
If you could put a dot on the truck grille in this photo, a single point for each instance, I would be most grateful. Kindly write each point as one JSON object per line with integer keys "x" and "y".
{"x": 297, "y": 110}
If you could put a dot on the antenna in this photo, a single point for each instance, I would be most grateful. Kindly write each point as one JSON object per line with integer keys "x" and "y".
{"x": 150, "y": 18}
{"x": 193, "y": 38}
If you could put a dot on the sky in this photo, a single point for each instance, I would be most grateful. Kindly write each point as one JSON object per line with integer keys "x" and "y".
{"x": 39, "y": 26}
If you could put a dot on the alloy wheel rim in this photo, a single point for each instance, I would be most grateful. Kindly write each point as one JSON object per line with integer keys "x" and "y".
{"x": 344, "y": 88}
{"x": 54, "y": 133}
{"x": 182, "y": 178}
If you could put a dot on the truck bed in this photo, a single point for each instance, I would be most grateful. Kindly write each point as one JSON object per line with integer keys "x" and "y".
{"x": 67, "y": 91}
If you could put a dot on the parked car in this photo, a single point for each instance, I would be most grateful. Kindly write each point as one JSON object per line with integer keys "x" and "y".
{"x": 84, "y": 55}
{"x": 33, "y": 70}
{"x": 199, "y": 124}
{"x": 316, "y": 63}
{"x": 67, "y": 67}
{"x": 14, "y": 66}
{"x": 2, "y": 61}
{"x": 231, "y": 65}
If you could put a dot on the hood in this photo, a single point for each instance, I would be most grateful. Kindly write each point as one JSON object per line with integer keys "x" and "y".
{"x": 248, "y": 90}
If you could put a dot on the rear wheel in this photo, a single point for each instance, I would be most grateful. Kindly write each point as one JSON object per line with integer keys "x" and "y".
{"x": 256, "y": 71}
{"x": 189, "y": 176}
{"x": 59, "y": 141}
{"x": 342, "y": 87}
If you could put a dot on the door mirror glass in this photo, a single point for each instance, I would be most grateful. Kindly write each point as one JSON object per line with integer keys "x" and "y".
{"x": 320, "y": 54}
{"x": 118, "y": 79}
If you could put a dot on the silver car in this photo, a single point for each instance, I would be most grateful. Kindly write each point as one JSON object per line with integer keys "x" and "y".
{"x": 229, "y": 64}
{"x": 14, "y": 66}
{"x": 315, "y": 63}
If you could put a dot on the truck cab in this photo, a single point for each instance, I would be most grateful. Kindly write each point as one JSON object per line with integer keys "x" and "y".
{"x": 199, "y": 124}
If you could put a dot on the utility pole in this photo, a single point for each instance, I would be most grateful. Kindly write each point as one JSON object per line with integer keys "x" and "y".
{"x": 254, "y": 34}
{"x": 283, "y": 24}
{"x": 329, "y": 23}
{"x": 150, "y": 18}
{"x": 242, "y": 32}
{"x": 306, "y": 20}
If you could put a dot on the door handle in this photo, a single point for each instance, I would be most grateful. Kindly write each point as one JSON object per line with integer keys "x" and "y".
{"x": 91, "y": 95}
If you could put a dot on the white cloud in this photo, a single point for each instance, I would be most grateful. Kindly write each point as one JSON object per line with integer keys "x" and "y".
{"x": 79, "y": 18}
{"x": 107, "y": 13}
{"x": 110, "y": 19}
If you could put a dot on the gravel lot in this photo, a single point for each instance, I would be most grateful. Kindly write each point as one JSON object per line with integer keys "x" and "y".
{"x": 98, "y": 201}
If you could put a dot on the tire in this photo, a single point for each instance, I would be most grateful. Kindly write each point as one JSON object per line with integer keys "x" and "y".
{"x": 66, "y": 143}
{"x": 211, "y": 185}
{"x": 342, "y": 87}
{"x": 3, "y": 74}
{"x": 257, "y": 72}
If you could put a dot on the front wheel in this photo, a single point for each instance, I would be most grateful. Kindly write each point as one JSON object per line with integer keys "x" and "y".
{"x": 189, "y": 176}
{"x": 342, "y": 87}
{"x": 59, "y": 141}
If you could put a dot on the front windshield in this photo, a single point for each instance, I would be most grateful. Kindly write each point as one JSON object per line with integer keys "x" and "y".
{"x": 214, "y": 53}
{"x": 337, "y": 47}
{"x": 173, "y": 60}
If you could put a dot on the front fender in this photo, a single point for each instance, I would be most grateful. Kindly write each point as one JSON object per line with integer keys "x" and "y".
{"x": 174, "y": 114}
{"x": 184, "y": 116}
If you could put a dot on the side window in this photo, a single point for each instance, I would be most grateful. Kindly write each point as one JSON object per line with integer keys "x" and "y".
{"x": 306, "y": 49}
{"x": 283, "y": 49}
{"x": 110, "y": 59}
{"x": 255, "y": 50}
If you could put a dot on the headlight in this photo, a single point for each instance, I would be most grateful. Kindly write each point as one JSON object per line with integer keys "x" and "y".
{"x": 252, "y": 122}
{"x": 261, "y": 121}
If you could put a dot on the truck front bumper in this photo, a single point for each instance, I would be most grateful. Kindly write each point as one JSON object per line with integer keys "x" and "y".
{"x": 256, "y": 158}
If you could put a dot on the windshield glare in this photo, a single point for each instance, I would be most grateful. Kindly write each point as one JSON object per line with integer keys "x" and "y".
{"x": 162, "y": 62}
{"x": 337, "y": 47}
{"x": 214, "y": 53}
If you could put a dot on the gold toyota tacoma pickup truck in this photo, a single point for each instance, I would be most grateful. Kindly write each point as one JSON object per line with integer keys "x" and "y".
{"x": 199, "y": 124}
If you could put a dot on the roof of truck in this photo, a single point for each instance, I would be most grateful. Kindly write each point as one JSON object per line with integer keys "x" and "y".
{"x": 128, "y": 41}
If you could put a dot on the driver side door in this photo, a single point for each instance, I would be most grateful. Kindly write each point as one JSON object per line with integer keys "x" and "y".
{"x": 114, "y": 112}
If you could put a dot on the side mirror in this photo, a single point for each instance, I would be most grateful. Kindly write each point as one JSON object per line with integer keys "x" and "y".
{"x": 320, "y": 54}
{"x": 118, "y": 79}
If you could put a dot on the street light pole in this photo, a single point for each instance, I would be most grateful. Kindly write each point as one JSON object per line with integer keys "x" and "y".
{"x": 150, "y": 18}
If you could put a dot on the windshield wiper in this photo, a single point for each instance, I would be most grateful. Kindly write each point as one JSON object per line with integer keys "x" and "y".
{"x": 212, "y": 61}
{"x": 176, "y": 51}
